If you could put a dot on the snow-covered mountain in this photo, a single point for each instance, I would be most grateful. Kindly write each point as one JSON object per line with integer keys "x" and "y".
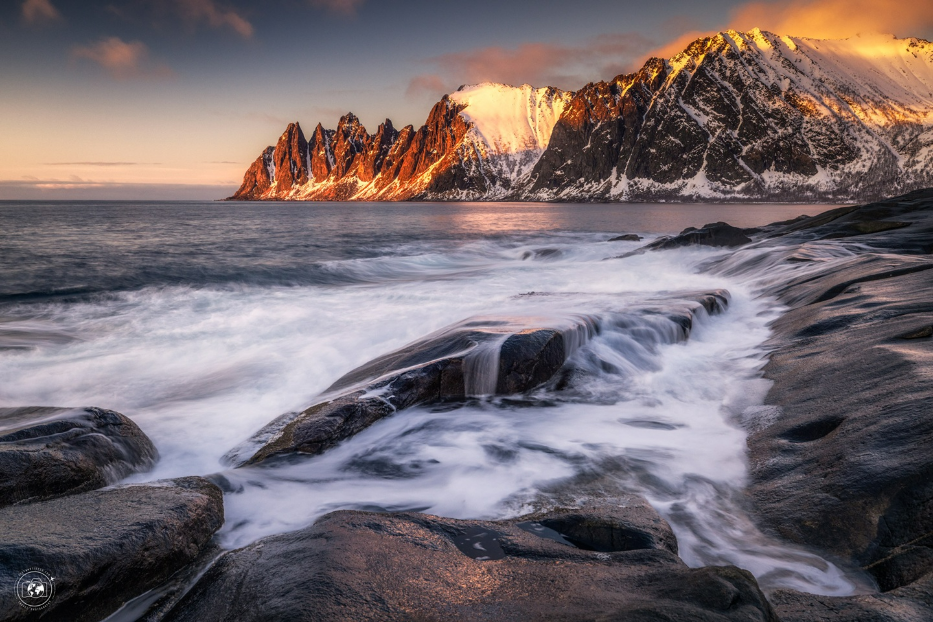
{"x": 737, "y": 116}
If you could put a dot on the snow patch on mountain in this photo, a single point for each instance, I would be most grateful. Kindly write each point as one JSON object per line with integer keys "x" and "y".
{"x": 510, "y": 129}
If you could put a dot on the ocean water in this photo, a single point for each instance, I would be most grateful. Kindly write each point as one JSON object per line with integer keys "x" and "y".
{"x": 205, "y": 321}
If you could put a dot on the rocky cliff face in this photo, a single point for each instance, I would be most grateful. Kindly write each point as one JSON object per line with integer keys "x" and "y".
{"x": 737, "y": 116}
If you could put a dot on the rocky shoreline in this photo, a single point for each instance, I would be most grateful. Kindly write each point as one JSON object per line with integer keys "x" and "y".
{"x": 840, "y": 462}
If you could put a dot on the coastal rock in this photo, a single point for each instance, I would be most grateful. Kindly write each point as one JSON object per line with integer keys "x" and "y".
{"x": 529, "y": 358}
{"x": 899, "y": 224}
{"x": 480, "y": 356}
{"x": 846, "y": 466}
{"x": 717, "y": 234}
{"x": 405, "y": 566}
{"x": 627, "y": 237}
{"x": 50, "y": 452}
{"x": 441, "y": 367}
{"x": 106, "y": 546}
{"x": 912, "y": 603}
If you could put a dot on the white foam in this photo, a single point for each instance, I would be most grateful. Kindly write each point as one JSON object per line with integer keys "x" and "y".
{"x": 202, "y": 369}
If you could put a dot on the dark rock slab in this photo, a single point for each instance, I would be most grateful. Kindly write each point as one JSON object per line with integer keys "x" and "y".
{"x": 50, "y": 452}
{"x": 529, "y": 358}
{"x": 717, "y": 234}
{"x": 900, "y": 224}
{"x": 626, "y": 237}
{"x": 846, "y": 464}
{"x": 434, "y": 369}
{"x": 913, "y": 603}
{"x": 105, "y": 547}
{"x": 480, "y": 356}
{"x": 364, "y": 566}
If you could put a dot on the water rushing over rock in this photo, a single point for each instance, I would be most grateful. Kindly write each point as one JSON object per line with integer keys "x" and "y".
{"x": 637, "y": 377}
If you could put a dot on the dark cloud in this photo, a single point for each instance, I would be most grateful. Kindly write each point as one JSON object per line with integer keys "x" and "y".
{"x": 40, "y": 12}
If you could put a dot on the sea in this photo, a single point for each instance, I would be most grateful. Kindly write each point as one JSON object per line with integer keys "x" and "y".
{"x": 204, "y": 321}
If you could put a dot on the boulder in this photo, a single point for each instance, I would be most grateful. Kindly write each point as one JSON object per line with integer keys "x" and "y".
{"x": 50, "y": 452}
{"x": 626, "y": 237}
{"x": 480, "y": 356}
{"x": 105, "y": 547}
{"x": 357, "y": 565}
{"x": 718, "y": 234}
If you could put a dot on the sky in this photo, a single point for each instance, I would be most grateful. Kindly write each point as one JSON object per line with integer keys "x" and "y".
{"x": 173, "y": 99}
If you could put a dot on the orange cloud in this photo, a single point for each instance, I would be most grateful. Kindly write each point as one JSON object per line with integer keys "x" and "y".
{"x": 835, "y": 19}
{"x": 428, "y": 84}
{"x": 195, "y": 11}
{"x": 819, "y": 19}
{"x": 40, "y": 11}
{"x": 120, "y": 58}
{"x": 540, "y": 64}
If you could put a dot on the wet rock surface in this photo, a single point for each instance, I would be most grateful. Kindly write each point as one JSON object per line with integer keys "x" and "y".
{"x": 405, "y": 566}
{"x": 448, "y": 366}
{"x": 717, "y": 234}
{"x": 108, "y": 546}
{"x": 845, "y": 464}
{"x": 906, "y": 604}
{"x": 50, "y": 452}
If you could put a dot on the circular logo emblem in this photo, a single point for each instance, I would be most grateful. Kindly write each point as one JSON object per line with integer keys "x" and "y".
{"x": 35, "y": 588}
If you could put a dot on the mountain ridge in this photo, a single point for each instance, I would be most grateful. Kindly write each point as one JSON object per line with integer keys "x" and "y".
{"x": 735, "y": 116}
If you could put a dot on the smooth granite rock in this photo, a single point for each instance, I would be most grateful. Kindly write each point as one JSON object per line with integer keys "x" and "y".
{"x": 364, "y": 566}
{"x": 480, "y": 356}
{"x": 105, "y": 547}
{"x": 846, "y": 465}
{"x": 50, "y": 452}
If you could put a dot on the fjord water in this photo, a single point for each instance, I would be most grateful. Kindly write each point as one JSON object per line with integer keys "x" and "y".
{"x": 204, "y": 321}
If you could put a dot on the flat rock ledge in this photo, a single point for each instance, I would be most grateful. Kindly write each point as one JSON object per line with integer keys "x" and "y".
{"x": 591, "y": 563}
{"x": 105, "y": 547}
{"x": 841, "y": 458}
{"x": 50, "y": 452}
{"x": 480, "y": 356}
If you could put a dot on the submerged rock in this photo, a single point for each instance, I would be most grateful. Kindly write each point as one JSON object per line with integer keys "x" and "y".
{"x": 358, "y": 565}
{"x": 50, "y": 452}
{"x": 104, "y": 547}
{"x": 484, "y": 356}
{"x": 626, "y": 237}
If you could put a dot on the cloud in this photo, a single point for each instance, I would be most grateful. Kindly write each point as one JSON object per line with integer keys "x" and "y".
{"x": 102, "y": 163}
{"x": 40, "y": 11}
{"x": 345, "y": 7}
{"x": 835, "y": 18}
{"x": 677, "y": 45}
{"x": 81, "y": 189}
{"x": 428, "y": 84}
{"x": 819, "y": 19}
{"x": 540, "y": 64}
{"x": 197, "y": 11}
{"x": 121, "y": 59}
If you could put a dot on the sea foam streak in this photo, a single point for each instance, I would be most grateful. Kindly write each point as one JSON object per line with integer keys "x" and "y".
{"x": 200, "y": 369}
